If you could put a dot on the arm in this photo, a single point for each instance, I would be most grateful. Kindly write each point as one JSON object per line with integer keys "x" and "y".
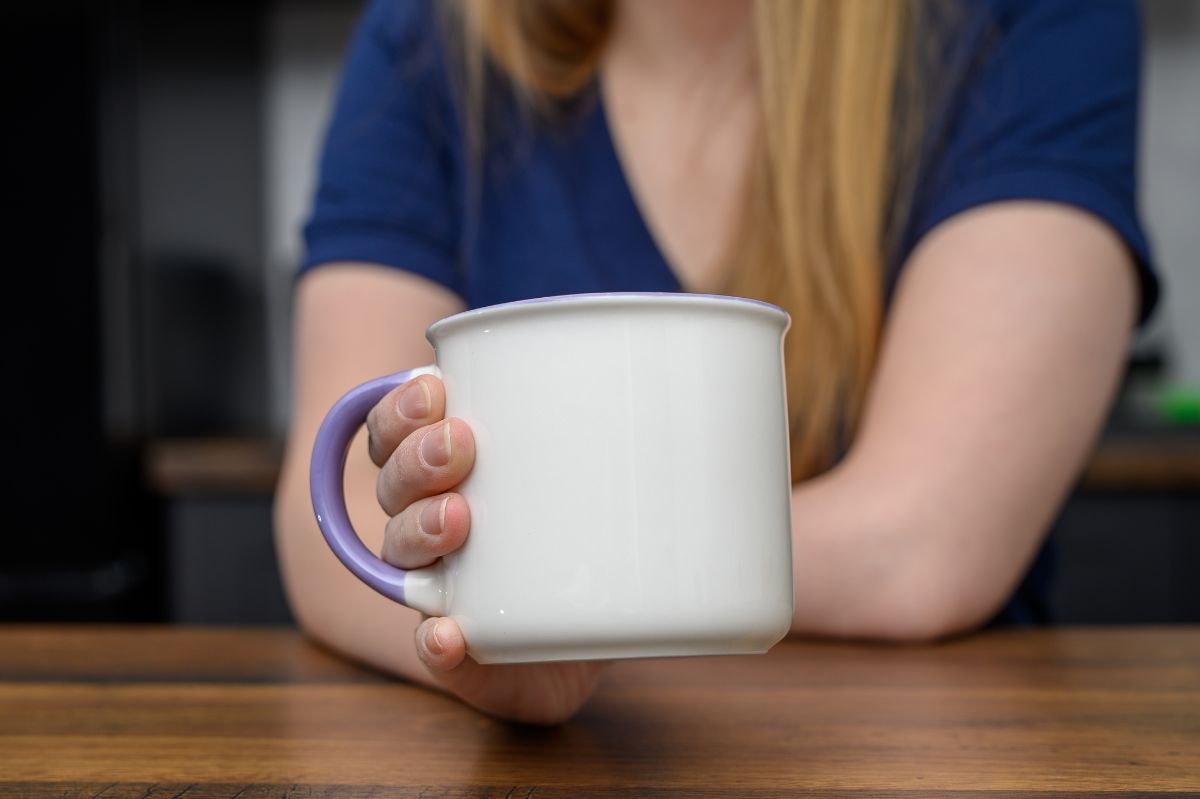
{"x": 999, "y": 360}
{"x": 353, "y": 322}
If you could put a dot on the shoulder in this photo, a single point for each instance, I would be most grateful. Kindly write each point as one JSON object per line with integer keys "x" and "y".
{"x": 396, "y": 75}
{"x": 407, "y": 34}
{"x": 1082, "y": 40}
{"x": 1039, "y": 102}
{"x": 1070, "y": 14}
{"x": 390, "y": 167}
{"x": 1063, "y": 42}
{"x": 399, "y": 21}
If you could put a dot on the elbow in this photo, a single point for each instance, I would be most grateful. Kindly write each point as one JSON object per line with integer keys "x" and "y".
{"x": 918, "y": 605}
{"x": 327, "y": 603}
{"x": 931, "y": 618}
{"x": 917, "y": 572}
{"x": 937, "y": 600}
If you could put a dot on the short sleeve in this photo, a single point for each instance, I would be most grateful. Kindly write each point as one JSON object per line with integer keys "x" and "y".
{"x": 1046, "y": 110}
{"x": 386, "y": 185}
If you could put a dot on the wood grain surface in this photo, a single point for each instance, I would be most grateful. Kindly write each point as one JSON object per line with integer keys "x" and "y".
{"x": 1164, "y": 461}
{"x": 156, "y": 713}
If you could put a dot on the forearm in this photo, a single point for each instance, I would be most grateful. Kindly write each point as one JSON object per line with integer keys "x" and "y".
{"x": 840, "y": 564}
{"x": 354, "y": 322}
{"x": 330, "y": 604}
{"x": 1003, "y": 349}
{"x": 883, "y": 558}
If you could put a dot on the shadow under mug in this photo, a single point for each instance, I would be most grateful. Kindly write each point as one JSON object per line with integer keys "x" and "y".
{"x": 631, "y": 494}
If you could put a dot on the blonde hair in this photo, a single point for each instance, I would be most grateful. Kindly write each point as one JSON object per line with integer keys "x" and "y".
{"x": 837, "y": 104}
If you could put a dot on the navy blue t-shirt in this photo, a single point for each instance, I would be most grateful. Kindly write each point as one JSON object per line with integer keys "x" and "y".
{"x": 1043, "y": 106}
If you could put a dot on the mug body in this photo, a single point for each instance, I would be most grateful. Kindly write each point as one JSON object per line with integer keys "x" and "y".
{"x": 631, "y": 492}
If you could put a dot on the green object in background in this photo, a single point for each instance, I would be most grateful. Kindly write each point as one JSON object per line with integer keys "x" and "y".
{"x": 1179, "y": 405}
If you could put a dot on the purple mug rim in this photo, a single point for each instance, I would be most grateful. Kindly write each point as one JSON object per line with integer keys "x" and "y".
{"x": 604, "y": 298}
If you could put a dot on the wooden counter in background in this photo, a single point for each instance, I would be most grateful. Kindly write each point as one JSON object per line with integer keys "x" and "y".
{"x": 235, "y": 466}
{"x": 1126, "y": 540}
{"x": 1163, "y": 461}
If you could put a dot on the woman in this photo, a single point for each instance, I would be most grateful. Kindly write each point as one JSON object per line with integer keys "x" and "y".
{"x": 942, "y": 196}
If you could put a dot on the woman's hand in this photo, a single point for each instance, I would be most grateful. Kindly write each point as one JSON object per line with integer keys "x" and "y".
{"x": 422, "y": 458}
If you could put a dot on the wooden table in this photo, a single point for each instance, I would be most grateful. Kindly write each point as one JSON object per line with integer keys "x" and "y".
{"x": 177, "y": 712}
{"x": 1168, "y": 460}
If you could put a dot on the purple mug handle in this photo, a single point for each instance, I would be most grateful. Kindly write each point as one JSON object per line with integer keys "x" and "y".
{"x": 325, "y": 483}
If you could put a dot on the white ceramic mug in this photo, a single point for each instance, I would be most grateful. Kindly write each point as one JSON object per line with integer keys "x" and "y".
{"x": 631, "y": 494}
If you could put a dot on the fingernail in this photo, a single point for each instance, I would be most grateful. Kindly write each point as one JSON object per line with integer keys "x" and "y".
{"x": 435, "y": 642}
{"x": 435, "y": 447}
{"x": 415, "y": 401}
{"x": 432, "y": 520}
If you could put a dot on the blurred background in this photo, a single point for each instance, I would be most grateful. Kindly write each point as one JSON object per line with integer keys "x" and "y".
{"x": 160, "y": 163}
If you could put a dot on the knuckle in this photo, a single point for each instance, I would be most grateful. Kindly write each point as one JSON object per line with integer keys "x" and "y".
{"x": 372, "y": 437}
{"x": 382, "y": 495}
{"x": 391, "y": 551}
{"x": 394, "y": 541}
{"x": 389, "y": 487}
{"x": 422, "y": 647}
{"x": 377, "y": 417}
{"x": 424, "y": 463}
{"x": 397, "y": 545}
{"x": 386, "y": 427}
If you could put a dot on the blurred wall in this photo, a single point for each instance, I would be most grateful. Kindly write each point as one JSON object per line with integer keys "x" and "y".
{"x": 305, "y": 43}
{"x": 197, "y": 218}
{"x": 1170, "y": 160}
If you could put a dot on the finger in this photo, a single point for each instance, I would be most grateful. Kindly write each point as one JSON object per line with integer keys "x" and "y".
{"x": 440, "y": 644}
{"x": 431, "y": 460}
{"x": 419, "y": 402}
{"x": 426, "y": 530}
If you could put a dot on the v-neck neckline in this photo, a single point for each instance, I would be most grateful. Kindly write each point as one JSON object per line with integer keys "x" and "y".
{"x": 628, "y": 199}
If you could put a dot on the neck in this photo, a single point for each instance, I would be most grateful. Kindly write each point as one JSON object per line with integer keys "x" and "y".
{"x": 683, "y": 34}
